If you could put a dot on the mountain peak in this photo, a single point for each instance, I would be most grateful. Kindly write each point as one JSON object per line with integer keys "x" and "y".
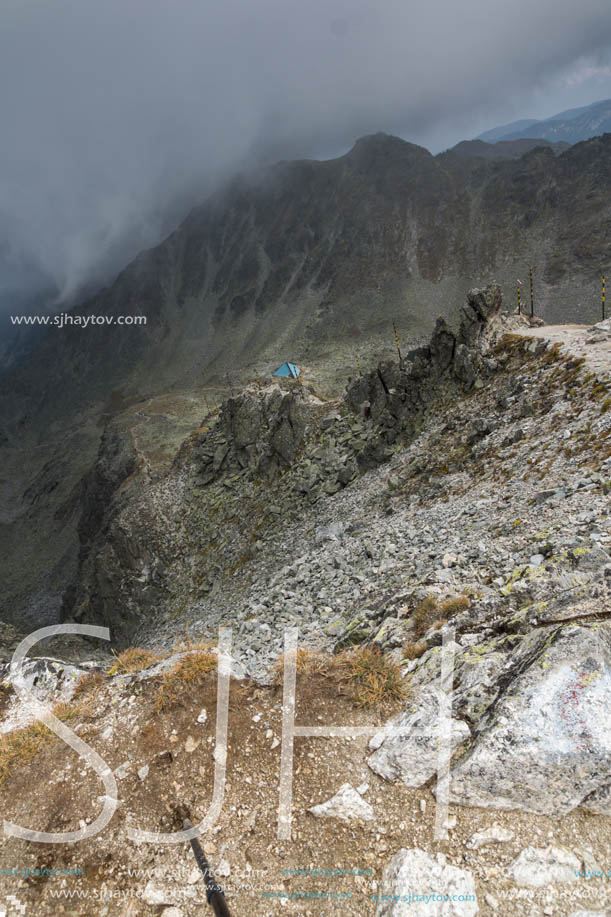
{"x": 372, "y": 147}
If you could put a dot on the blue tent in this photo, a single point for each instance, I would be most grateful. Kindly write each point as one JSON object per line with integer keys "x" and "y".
{"x": 287, "y": 369}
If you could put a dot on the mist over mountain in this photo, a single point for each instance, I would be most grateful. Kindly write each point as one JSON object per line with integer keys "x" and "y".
{"x": 308, "y": 254}
{"x": 117, "y": 118}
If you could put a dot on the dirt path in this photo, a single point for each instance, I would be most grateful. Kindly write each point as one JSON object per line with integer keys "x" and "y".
{"x": 575, "y": 339}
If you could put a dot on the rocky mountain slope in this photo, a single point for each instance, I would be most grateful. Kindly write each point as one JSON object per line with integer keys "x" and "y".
{"x": 311, "y": 261}
{"x": 456, "y": 502}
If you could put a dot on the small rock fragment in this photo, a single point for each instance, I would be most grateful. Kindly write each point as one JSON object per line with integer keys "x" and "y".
{"x": 347, "y": 804}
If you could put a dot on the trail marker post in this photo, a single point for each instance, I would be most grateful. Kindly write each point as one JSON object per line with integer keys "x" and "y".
{"x": 394, "y": 328}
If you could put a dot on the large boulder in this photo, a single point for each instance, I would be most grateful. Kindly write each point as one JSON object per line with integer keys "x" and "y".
{"x": 412, "y": 756}
{"x": 545, "y": 745}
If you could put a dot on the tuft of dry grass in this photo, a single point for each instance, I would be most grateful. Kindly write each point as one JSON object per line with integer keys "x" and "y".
{"x": 88, "y": 684}
{"x": 133, "y": 659}
{"x": 450, "y": 607}
{"x": 189, "y": 643}
{"x": 431, "y": 613}
{"x": 307, "y": 663}
{"x": 189, "y": 671}
{"x": 20, "y": 746}
{"x": 372, "y": 678}
{"x": 414, "y": 650}
{"x": 425, "y": 614}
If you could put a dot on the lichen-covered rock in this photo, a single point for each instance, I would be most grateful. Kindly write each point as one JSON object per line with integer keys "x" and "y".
{"x": 545, "y": 744}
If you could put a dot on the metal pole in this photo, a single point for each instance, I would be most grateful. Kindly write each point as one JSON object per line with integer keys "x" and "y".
{"x": 532, "y": 294}
{"x": 214, "y": 892}
{"x": 397, "y": 342}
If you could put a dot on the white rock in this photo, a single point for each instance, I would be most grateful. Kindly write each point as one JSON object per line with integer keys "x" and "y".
{"x": 143, "y": 772}
{"x": 495, "y": 834}
{"x": 589, "y": 863}
{"x": 346, "y": 804}
{"x": 122, "y": 771}
{"x": 157, "y": 896}
{"x": 203, "y": 716}
{"x": 546, "y": 747}
{"x": 536, "y": 867}
{"x": 413, "y": 755}
{"x": 444, "y": 576}
{"x": 429, "y": 888}
{"x": 191, "y": 744}
{"x": 223, "y": 869}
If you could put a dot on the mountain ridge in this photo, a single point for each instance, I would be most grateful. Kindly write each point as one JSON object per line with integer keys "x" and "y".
{"x": 570, "y": 126}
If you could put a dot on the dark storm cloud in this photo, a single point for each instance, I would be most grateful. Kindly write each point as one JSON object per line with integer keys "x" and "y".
{"x": 115, "y": 115}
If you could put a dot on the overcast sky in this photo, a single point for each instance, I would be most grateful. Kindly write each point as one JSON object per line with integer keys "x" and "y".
{"x": 117, "y": 115}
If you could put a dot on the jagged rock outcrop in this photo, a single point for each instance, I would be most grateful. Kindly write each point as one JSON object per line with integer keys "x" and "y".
{"x": 396, "y": 395}
{"x": 260, "y": 432}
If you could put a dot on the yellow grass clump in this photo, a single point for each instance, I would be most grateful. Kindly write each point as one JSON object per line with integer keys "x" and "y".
{"x": 20, "y": 746}
{"x": 133, "y": 659}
